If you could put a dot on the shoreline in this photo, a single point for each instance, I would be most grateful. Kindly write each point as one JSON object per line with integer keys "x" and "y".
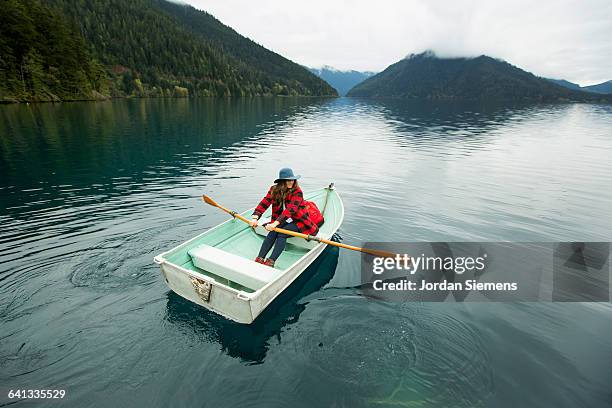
{"x": 496, "y": 102}
{"x": 13, "y": 102}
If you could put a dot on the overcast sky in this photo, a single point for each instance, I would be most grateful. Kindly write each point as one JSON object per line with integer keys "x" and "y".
{"x": 556, "y": 39}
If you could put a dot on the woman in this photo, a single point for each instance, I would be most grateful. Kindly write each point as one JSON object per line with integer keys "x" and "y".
{"x": 289, "y": 211}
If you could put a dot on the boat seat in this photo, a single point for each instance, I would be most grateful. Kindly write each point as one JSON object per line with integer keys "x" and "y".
{"x": 298, "y": 242}
{"x": 246, "y": 272}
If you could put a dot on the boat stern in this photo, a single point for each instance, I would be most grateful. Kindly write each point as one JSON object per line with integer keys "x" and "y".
{"x": 207, "y": 292}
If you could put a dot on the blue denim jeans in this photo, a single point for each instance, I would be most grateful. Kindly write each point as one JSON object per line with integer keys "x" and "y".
{"x": 278, "y": 240}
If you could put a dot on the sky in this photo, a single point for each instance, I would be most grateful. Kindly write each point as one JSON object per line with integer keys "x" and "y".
{"x": 561, "y": 39}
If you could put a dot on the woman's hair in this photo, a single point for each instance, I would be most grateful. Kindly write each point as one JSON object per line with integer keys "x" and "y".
{"x": 280, "y": 191}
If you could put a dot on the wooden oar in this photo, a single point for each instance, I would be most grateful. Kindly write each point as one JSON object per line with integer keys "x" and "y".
{"x": 375, "y": 252}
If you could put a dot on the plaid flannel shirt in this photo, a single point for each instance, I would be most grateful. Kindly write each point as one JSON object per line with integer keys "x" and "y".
{"x": 295, "y": 209}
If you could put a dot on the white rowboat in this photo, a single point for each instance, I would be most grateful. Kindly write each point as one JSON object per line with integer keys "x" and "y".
{"x": 217, "y": 270}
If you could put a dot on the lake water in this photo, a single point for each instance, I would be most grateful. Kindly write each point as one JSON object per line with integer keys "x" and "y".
{"x": 90, "y": 192}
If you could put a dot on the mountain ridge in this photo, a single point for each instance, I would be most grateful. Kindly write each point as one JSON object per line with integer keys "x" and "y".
{"x": 427, "y": 76}
{"x": 604, "y": 87}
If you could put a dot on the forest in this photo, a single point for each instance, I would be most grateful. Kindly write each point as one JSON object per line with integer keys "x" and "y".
{"x": 74, "y": 50}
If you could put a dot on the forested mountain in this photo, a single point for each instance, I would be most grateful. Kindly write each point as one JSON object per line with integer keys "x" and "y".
{"x": 283, "y": 71}
{"x": 342, "y": 81}
{"x": 565, "y": 84}
{"x": 604, "y": 87}
{"x": 425, "y": 76}
{"x": 135, "y": 48}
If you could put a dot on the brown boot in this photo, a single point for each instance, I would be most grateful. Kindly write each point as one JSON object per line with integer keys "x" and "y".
{"x": 269, "y": 262}
{"x": 259, "y": 259}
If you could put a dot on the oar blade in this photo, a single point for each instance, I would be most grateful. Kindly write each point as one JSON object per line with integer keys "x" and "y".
{"x": 209, "y": 201}
{"x": 378, "y": 253}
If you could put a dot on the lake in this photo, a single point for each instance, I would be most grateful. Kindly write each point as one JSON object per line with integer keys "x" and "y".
{"x": 91, "y": 192}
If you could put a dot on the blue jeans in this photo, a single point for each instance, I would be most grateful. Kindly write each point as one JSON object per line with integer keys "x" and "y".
{"x": 278, "y": 240}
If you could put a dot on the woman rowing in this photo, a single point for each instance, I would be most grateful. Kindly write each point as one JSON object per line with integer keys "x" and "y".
{"x": 289, "y": 211}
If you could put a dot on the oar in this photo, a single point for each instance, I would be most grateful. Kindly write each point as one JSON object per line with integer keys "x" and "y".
{"x": 375, "y": 252}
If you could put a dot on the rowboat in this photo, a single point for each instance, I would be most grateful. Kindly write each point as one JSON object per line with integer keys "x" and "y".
{"x": 217, "y": 270}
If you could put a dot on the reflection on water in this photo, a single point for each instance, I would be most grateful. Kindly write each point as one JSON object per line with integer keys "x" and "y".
{"x": 250, "y": 342}
{"x": 90, "y": 192}
{"x": 111, "y": 148}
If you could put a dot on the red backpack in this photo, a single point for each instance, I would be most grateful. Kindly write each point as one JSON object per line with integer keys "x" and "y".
{"x": 313, "y": 213}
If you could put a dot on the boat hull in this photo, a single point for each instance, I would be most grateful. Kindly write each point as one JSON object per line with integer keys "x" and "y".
{"x": 236, "y": 305}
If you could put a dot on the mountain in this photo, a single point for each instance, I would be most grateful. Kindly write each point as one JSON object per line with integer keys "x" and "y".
{"x": 67, "y": 49}
{"x": 603, "y": 88}
{"x": 342, "y": 81}
{"x": 564, "y": 83}
{"x": 279, "y": 69}
{"x": 425, "y": 76}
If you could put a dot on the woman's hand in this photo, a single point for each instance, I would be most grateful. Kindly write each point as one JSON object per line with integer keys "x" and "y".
{"x": 254, "y": 222}
{"x": 272, "y": 225}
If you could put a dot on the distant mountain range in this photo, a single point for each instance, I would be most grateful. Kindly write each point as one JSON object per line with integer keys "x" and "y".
{"x": 426, "y": 76}
{"x": 342, "y": 81}
{"x": 56, "y": 50}
{"x": 604, "y": 87}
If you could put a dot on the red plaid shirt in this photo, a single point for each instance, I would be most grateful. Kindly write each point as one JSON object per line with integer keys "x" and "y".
{"x": 294, "y": 208}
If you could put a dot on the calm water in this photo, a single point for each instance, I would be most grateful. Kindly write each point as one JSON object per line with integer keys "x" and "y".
{"x": 90, "y": 192}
